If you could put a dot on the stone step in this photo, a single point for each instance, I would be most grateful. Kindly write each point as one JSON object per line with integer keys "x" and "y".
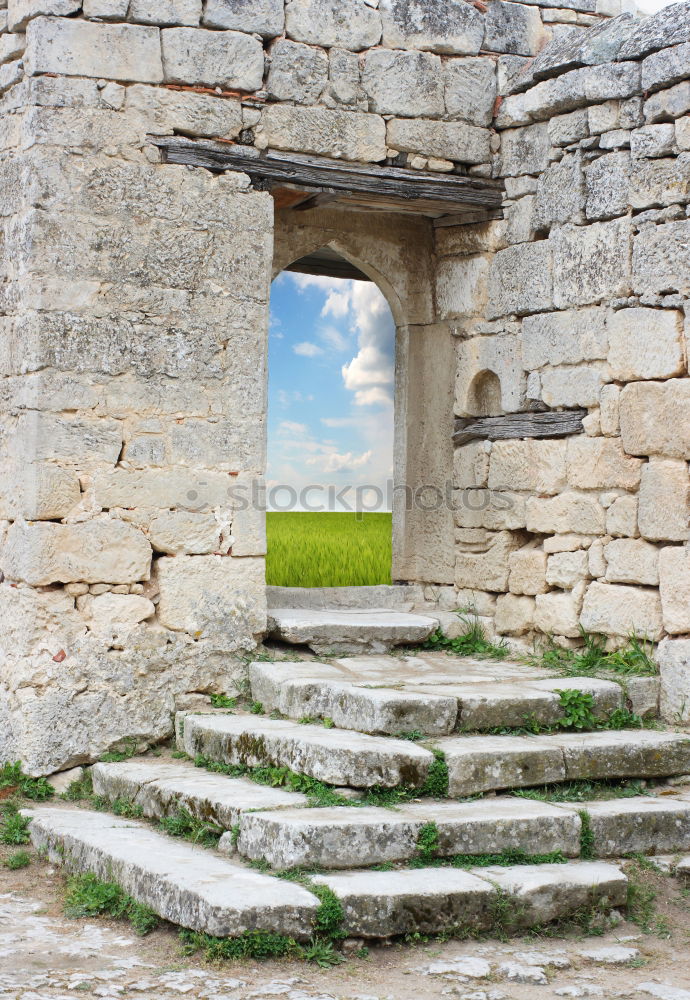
{"x": 430, "y": 900}
{"x": 358, "y": 837}
{"x": 334, "y": 756}
{"x": 160, "y": 787}
{"x": 640, "y": 825}
{"x": 182, "y": 883}
{"x": 395, "y": 597}
{"x": 490, "y": 763}
{"x": 333, "y": 631}
{"x": 347, "y": 696}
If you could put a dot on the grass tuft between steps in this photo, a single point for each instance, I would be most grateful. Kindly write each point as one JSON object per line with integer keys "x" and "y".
{"x": 14, "y": 781}
{"x": 88, "y": 896}
{"x": 633, "y": 659}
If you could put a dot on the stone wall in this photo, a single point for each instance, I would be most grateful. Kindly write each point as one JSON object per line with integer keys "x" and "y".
{"x": 133, "y": 314}
{"x": 580, "y": 299}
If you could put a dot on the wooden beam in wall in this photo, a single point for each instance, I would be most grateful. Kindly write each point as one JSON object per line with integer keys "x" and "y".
{"x": 552, "y": 424}
{"x": 322, "y": 180}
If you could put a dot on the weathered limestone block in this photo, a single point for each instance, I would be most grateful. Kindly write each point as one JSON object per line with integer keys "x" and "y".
{"x": 527, "y": 571}
{"x": 570, "y": 128}
{"x": 264, "y": 17}
{"x": 193, "y": 114}
{"x": 534, "y": 465}
{"x": 660, "y": 258}
{"x": 106, "y": 10}
{"x": 100, "y": 551}
{"x": 340, "y": 134}
{"x": 471, "y": 465}
{"x": 513, "y": 28}
{"x": 184, "y": 532}
{"x": 632, "y": 560}
{"x": 446, "y": 26}
{"x": 11, "y": 46}
{"x": 655, "y": 418}
{"x": 621, "y": 517}
{"x": 590, "y": 263}
{"x": 652, "y": 141}
{"x": 520, "y": 280}
{"x": 560, "y": 193}
{"x": 479, "y": 356}
{"x": 682, "y": 133}
{"x": 82, "y": 48}
{"x": 487, "y": 570}
{"x": 621, "y": 611}
{"x": 567, "y": 386}
{"x": 491, "y": 509}
{"x": 206, "y": 595}
{"x": 646, "y": 344}
{"x": 601, "y": 464}
{"x": 298, "y": 72}
{"x": 352, "y": 24}
{"x": 660, "y": 182}
{"x": 34, "y": 618}
{"x": 115, "y": 614}
{"x": 666, "y": 67}
{"x": 344, "y": 78}
{"x": 670, "y": 26}
{"x": 227, "y": 59}
{"x": 568, "y": 512}
{"x": 165, "y": 12}
{"x": 454, "y": 141}
{"x": 674, "y": 587}
{"x": 404, "y": 83}
{"x": 567, "y": 569}
{"x": 38, "y": 491}
{"x": 189, "y": 489}
{"x": 462, "y": 286}
{"x": 20, "y": 12}
{"x": 558, "y": 613}
{"x": 525, "y": 150}
{"x": 664, "y": 501}
{"x": 608, "y": 186}
{"x": 609, "y": 410}
{"x": 470, "y": 89}
{"x": 564, "y": 338}
{"x": 514, "y": 614}
{"x": 671, "y": 103}
{"x": 673, "y": 657}
{"x": 71, "y": 440}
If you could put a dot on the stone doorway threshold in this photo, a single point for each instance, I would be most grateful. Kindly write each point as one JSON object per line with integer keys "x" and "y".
{"x": 339, "y": 620}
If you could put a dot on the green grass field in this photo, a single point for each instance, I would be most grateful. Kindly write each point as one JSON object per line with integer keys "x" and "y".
{"x": 328, "y": 550}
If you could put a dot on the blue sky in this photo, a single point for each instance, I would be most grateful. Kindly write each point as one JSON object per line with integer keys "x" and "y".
{"x": 331, "y": 365}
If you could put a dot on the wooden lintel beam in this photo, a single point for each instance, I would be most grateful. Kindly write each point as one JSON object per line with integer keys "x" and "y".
{"x": 552, "y": 424}
{"x": 276, "y": 168}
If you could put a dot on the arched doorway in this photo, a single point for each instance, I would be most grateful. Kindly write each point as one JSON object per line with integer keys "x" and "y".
{"x": 330, "y": 426}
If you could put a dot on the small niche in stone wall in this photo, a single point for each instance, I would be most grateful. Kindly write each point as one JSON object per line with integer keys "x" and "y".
{"x": 484, "y": 395}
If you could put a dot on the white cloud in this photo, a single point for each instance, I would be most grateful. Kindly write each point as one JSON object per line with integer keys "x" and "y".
{"x": 334, "y": 338}
{"x": 291, "y": 427}
{"x": 372, "y": 368}
{"x": 376, "y": 395}
{"x": 338, "y": 301}
{"x": 335, "y": 462}
{"x": 303, "y": 281}
{"x": 307, "y": 349}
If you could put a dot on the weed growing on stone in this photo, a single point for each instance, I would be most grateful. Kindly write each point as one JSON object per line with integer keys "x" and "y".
{"x": 126, "y": 808}
{"x": 587, "y": 849}
{"x": 578, "y": 710}
{"x": 578, "y": 715}
{"x": 427, "y": 844}
{"x": 640, "y": 902}
{"x": 634, "y": 659}
{"x": 258, "y": 945}
{"x": 436, "y": 784}
{"x": 183, "y": 824}
{"x": 20, "y": 859}
{"x": 87, "y": 896}
{"x": 414, "y": 735}
{"x": 223, "y": 701}
{"x": 80, "y": 789}
{"x": 472, "y": 642}
{"x": 13, "y": 779}
{"x": 582, "y": 791}
{"x": 256, "y": 708}
{"x": 318, "y": 793}
{"x": 117, "y": 756}
{"x": 506, "y": 858}
{"x": 14, "y": 828}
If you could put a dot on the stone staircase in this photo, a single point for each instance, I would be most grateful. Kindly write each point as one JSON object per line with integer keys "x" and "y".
{"x": 376, "y": 777}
